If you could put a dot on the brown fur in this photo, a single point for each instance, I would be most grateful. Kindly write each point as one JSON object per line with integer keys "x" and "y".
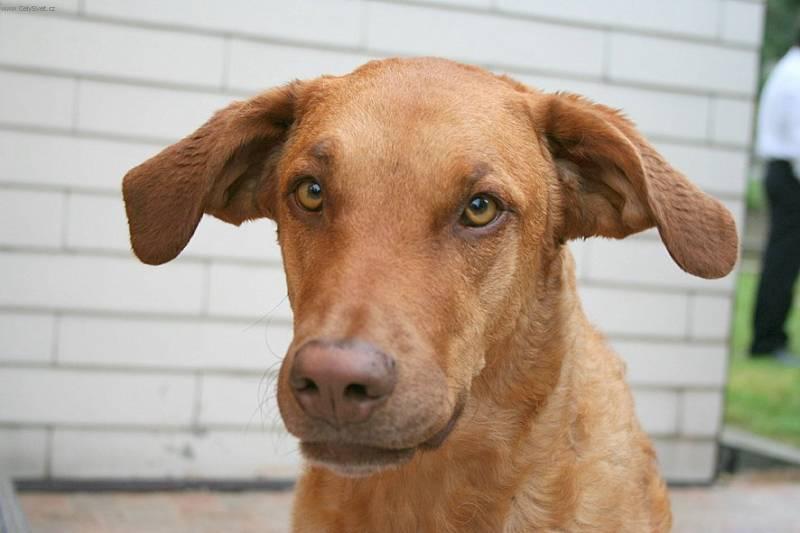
{"x": 482, "y": 322}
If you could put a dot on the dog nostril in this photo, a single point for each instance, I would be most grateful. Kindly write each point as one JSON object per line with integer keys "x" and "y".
{"x": 356, "y": 391}
{"x": 306, "y": 385}
{"x": 341, "y": 383}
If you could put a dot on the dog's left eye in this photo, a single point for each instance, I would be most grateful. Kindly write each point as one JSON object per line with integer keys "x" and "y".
{"x": 309, "y": 194}
{"x": 480, "y": 211}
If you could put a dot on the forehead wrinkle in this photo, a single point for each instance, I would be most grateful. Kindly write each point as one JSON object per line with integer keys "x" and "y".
{"x": 479, "y": 170}
{"x": 322, "y": 150}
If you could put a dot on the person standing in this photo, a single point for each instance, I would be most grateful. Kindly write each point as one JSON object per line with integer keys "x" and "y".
{"x": 778, "y": 142}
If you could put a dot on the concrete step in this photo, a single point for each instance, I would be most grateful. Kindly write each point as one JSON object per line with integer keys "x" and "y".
{"x": 12, "y": 519}
{"x": 743, "y": 450}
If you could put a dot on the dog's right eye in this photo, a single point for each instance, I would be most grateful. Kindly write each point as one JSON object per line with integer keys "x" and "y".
{"x": 480, "y": 211}
{"x": 309, "y": 194}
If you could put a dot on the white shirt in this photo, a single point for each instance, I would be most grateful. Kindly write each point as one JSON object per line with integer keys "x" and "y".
{"x": 778, "y": 134}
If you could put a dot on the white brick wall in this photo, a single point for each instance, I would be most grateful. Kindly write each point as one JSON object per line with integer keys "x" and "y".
{"x": 156, "y": 454}
{"x": 742, "y": 21}
{"x": 689, "y": 17}
{"x": 469, "y": 37}
{"x": 31, "y": 218}
{"x": 127, "y": 110}
{"x": 256, "y": 65}
{"x": 333, "y": 22}
{"x": 66, "y": 281}
{"x": 70, "y": 45}
{"x": 71, "y": 162}
{"x": 683, "y": 65}
{"x": 90, "y": 397}
{"x": 26, "y": 337}
{"x": 111, "y": 368}
{"x": 158, "y": 343}
{"x": 23, "y": 452}
{"x": 673, "y": 364}
{"x": 37, "y": 100}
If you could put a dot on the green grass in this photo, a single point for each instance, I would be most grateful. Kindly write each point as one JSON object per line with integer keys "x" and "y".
{"x": 763, "y": 396}
{"x": 755, "y": 195}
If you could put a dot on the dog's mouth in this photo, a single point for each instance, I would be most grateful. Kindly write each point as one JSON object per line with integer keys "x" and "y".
{"x": 354, "y": 459}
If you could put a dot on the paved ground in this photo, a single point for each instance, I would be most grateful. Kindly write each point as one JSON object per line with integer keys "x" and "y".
{"x": 754, "y": 503}
{"x": 158, "y": 512}
{"x": 744, "y": 504}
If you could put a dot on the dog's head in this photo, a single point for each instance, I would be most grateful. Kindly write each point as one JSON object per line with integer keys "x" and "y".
{"x": 417, "y": 204}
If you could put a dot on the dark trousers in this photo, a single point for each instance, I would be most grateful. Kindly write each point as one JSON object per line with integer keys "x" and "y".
{"x": 781, "y": 261}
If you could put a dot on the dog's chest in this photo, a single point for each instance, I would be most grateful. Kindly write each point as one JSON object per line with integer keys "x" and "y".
{"x": 438, "y": 506}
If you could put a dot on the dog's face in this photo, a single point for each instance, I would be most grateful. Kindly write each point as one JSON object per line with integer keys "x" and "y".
{"x": 416, "y": 202}
{"x": 404, "y": 224}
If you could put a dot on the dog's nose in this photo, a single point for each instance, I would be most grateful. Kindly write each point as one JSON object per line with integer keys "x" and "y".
{"x": 341, "y": 382}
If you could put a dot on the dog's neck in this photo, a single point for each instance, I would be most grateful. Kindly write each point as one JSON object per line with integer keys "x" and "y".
{"x": 524, "y": 368}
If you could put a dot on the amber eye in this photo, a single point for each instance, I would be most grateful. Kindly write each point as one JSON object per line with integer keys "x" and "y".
{"x": 481, "y": 210}
{"x": 309, "y": 194}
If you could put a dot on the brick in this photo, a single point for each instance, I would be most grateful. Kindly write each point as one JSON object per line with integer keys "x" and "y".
{"x": 246, "y": 401}
{"x": 456, "y": 35}
{"x": 63, "y": 6}
{"x": 117, "y": 454}
{"x": 701, "y": 413}
{"x": 593, "y": 90}
{"x": 255, "y": 240}
{"x": 662, "y": 113}
{"x": 632, "y": 312}
{"x": 175, "y": 344}
{"x": 57, "y": 6}
{"x": 26, "y": 337}
{"x": 34, "y": 100}
{"x": 714, "y": 170}
{"x": 676, "y": 364}
{"x": 657, "y": 410}
{"x": 711, "y": 317}
{"x": 482, "y": 4}
{"x": 330, "y": 22}
{"x": 255, "y": 292}
{"x": 578, "y": 249}
{"x": 640, "y": 262}
{"x": 31, "y": 218}
{"x": 742, "y": 22}
{"x": 144, "y": 111}
{"x": 683, "y": 65}
{"x": 135, "y": 454}
{"x": 258, "y": 66}
{"x": 66, "y": 161}
{"x": 99, "y": 283}
{"x": 71, "y": 45}
{"x": 23, "y": 452}
{"x": 655, "y": 112}
{"x": 686, "y": 461}
{"x": 685, "y": 17}
{"x": 260, "y": 454}
{"x": 83, "y": 231}
{"x": 50, "y": 396}
{"x": 732, "y": 121}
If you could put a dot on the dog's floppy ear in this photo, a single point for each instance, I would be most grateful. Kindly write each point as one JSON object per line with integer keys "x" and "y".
{"x": 614, "y": 183}
{"x": 224, "y": 168}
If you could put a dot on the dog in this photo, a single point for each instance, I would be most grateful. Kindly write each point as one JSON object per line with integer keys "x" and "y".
{"x": 442, "y": 376}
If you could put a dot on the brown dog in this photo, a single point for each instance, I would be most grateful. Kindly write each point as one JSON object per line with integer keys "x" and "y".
{"x": 442, "y": 376}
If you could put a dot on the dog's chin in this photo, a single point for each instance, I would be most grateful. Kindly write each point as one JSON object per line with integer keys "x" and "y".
{"x": 354, "y": 460}
{"x": 361, "y": 460}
